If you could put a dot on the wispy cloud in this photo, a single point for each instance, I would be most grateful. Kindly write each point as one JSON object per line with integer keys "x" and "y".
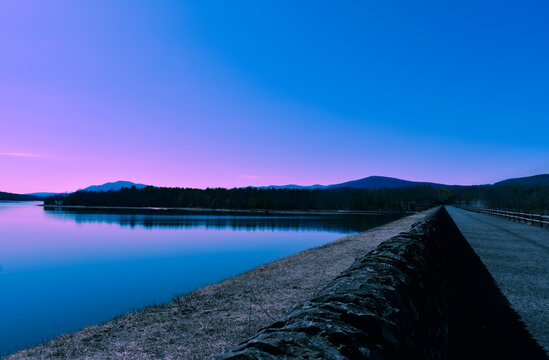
{"x": 23, "y": 155}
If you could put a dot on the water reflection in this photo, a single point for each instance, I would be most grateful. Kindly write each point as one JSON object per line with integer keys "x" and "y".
{"x": 90, "y": 265}
{"x": 342, "y": 223}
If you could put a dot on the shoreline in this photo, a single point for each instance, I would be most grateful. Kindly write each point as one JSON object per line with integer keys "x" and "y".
{"x": 216, "y": 317}
{"x": 250, "y": 211}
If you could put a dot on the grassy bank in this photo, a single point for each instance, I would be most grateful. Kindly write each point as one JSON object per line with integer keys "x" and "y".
{"x": 211, "y": 319}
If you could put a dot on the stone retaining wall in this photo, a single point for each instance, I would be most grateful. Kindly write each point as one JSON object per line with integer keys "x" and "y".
{"x": 407, "y": 299}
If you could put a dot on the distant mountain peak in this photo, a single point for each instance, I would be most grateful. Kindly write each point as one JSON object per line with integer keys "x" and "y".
{"x": 378, "y": 182}
{"x": 114, "y": 186}
{"x": 370, "y": 182}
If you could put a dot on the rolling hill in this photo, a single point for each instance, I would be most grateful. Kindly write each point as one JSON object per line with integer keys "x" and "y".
{"x": 18, "y": 197}
{"x": 43, "y": 194}
{"x": 542, "y": 179}
{"x": 113, "y": 186}
{"x": 378, "y": 182}
{"x": 370, "y": 182}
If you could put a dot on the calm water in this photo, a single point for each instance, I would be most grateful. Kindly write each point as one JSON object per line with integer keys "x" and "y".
{"x": 63, "y": 270}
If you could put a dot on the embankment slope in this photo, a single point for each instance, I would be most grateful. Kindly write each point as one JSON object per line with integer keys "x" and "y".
{"x": 424, "y": 294}
{"x": 214, "y": 318}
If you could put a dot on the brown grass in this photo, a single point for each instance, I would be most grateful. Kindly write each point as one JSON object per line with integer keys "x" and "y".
{"x": 209, "y": 320}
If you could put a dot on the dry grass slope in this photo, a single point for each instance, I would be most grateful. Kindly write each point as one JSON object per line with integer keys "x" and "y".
{"x": 218, "y": 316}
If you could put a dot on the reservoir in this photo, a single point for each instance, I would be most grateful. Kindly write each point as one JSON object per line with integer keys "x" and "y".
{"x": 63, "y": 270}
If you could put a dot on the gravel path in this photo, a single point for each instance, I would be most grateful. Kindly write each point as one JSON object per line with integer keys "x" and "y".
{"x": 517, "y": 256}
{"x": 207, "y": 321}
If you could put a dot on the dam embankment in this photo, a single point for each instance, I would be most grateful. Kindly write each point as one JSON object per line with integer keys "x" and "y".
{"x": 413, "y": 292}
{"x": 424, "y": 294}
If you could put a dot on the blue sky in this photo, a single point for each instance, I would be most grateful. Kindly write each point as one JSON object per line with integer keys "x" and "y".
{"x": 215, "y": 93}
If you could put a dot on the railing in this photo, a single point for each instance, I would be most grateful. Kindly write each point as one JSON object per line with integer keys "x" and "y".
{"x": 527, "y": 218}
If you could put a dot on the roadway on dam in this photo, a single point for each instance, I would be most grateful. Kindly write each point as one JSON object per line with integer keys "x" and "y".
{"x": 517, "y": 256}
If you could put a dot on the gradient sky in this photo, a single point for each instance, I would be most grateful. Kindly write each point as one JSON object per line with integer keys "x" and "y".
{"x": 236, "y": 93}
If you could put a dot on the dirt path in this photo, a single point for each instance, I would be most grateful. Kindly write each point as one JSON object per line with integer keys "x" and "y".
{"x": 207, "y": 321}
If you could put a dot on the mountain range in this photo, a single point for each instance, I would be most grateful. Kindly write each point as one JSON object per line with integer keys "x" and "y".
{"x": 378, "y": 182}
{"x": 371, "y": 182}
{"x": 110, "y": 186}
{"x": 113, "y": 186}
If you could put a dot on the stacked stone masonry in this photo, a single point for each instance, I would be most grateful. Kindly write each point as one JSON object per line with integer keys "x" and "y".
{"x": 410, "y": 298}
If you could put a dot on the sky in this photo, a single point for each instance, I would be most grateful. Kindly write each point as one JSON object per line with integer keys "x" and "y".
{"x": 237, "y": 93}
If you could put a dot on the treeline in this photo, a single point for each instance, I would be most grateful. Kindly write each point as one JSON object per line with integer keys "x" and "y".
{"x": 516, "y": 197}
{"x": 519, "y": 197}
{"x": 402, "y": 199}
{"x": 18, "y": 197}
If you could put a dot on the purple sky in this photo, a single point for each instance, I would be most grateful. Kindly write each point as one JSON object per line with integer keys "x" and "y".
{"x": 240, "y": 93}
